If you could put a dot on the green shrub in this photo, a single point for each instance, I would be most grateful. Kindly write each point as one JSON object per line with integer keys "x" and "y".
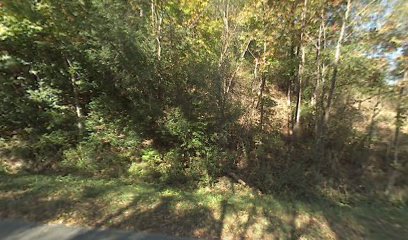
{"x": 48, "y": 146}
{"x": 3, "y": 168}
{"x": 151, "y": 156}
{"x": 94, "y": 158}
{"x": 149, "y": 167}
{"x": 196, "y": 156}
{"x": 143, "y": 171}
{"x": 173, "y": 167}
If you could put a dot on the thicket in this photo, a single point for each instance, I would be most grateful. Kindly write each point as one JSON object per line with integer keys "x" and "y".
{"x": 285, "y": 96}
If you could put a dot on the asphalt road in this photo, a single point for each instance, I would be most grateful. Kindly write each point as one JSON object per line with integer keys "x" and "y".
{"x": 19, "y": 230}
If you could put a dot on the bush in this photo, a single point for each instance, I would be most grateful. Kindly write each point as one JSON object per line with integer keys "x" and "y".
{"x": 196, "y": 156}
{"x": 94, "y": 158}
{"x": 49, "y": 146}
{"x": 147, "y": 167}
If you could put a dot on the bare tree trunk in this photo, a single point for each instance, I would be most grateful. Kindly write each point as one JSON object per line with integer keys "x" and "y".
{"x": 261, "y": 108}
{"x": 256, "y": 68}
{"x": 78, "y": 108}
{"x": 320, "y": 91}
{"x": 158, "y": 37}
{"x": 318, "y": 61}
{"x": 373, "y": 120}
{"x": 322, "y": 122}
{"x": 157, "y": 20}
{"x": 291, "y": 80}
{"x": 301, "y": 70}
{"x": 226, "y": 33}
{"x": 288, "y": 105}
{"x": 398, "y": 124}
{"x": 224, "y": 82}
{"x": 261, "y": 90}
{"x": 320, "y": 95}
{"x": 293, "y": 55}
{"x": 231, "y": 79}
{"x": 336, "y": 64}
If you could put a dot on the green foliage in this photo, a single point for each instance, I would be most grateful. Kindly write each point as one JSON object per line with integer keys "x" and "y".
{"x": 188, "y": 91}
{"x": 94, "y": 158}
{"x": 49, "y": 145}
{"x": 196, "y": 157}
{"x": 151, "y": 156}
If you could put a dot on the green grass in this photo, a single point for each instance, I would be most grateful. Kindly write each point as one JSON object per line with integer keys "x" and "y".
{"x": 224, "y": 211}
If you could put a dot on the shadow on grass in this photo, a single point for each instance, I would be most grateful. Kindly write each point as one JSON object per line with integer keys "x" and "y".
{"x": 230, "y": 214}
{"x": 104, "y": 204}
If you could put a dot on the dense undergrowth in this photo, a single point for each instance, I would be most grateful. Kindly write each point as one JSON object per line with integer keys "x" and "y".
{"x": 270, "y": 94}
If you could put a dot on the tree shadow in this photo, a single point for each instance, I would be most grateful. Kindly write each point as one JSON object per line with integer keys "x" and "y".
{"x": 175, "y": 212}
{"x": 149, "y": 210}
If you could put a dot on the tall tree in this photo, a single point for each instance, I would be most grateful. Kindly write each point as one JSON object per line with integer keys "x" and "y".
{"x": 301, "y": 68}
{"x": 327, "y": 108}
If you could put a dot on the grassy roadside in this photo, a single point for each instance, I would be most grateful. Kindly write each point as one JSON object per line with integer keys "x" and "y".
{"x": 226, "y": 211}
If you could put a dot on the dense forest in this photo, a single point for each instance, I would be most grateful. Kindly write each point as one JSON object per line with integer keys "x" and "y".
{"x": 298, "y": 97}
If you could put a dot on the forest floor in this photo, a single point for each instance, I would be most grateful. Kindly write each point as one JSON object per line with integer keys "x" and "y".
{"x": 225, "y": 211}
